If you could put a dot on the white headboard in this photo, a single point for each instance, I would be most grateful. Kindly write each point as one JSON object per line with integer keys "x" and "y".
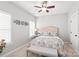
{"x": 49, "y": 29}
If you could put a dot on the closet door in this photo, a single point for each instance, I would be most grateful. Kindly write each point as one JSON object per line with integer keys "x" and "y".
{"x": 74, "y": 30}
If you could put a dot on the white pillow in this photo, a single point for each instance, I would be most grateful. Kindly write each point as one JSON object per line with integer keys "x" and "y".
{"x": 53, "y": 34}
{"x": 49, "y": 34}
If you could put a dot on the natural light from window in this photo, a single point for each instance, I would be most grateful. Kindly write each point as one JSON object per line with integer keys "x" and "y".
{"x": 5, "y": 26}
{"x": 32, "y": 28}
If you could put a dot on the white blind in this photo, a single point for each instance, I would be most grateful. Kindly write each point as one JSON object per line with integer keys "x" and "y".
{"x": 5, "y": 26}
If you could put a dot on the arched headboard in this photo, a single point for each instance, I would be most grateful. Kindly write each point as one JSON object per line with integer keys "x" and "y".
{"x": 49, "y": 29}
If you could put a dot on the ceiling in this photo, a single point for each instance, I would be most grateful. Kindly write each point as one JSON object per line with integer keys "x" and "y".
{"x": 61, "y": 7}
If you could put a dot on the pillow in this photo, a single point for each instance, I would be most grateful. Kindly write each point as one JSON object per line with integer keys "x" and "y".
{"x": 53, "y": 34}
{"x": 48, "y": 34}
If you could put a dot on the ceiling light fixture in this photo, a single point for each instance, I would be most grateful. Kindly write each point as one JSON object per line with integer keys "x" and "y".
{"x": 44, "y": 7}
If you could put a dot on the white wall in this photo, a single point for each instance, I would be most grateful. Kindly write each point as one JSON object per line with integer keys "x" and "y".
{"x": 19, "y": 34}
{"x": 59, "y": 21}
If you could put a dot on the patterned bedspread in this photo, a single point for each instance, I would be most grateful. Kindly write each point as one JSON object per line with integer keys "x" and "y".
{"x": 47, "y": 41}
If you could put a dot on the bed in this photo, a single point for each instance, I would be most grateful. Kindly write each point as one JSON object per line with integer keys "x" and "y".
{"x": 47, "y": 37}
{"x": 47, "y": 41}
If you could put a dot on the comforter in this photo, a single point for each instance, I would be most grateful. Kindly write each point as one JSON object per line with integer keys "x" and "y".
{"x": 47, "y": 41}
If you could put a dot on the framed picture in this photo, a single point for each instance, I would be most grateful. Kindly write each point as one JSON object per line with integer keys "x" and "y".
{"x": 18, "y": 22}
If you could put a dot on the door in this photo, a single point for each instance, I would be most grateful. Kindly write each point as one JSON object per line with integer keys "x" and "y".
{"x": 74, "y": 30}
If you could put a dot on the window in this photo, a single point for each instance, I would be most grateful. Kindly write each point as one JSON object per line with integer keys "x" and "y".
{"x": 32, "y": 28}
{"x": 5, "y": 26}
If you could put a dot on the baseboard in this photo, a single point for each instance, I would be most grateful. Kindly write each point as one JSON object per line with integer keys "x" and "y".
{"x": 5, "y": 55}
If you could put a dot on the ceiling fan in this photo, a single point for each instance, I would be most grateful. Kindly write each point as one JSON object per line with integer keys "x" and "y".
{"x": 44, "y": 7}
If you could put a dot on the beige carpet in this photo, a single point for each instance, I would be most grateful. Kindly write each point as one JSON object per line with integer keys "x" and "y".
{"x": 22, "y": 51}
{"x": 68, "y": 50}
{"x": 19, "y": 53}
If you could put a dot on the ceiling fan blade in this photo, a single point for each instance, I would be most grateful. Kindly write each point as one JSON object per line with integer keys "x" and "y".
{"x": 51, "y": 7}
{"x": 47, "y": 10}
{"x": 44, "y": 4}
{"x": 39, "y": 10}
{"x": 37, "y": 6}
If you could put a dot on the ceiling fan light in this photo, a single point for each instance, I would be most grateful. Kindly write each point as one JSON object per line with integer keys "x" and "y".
{"x": 43, "y": 9}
